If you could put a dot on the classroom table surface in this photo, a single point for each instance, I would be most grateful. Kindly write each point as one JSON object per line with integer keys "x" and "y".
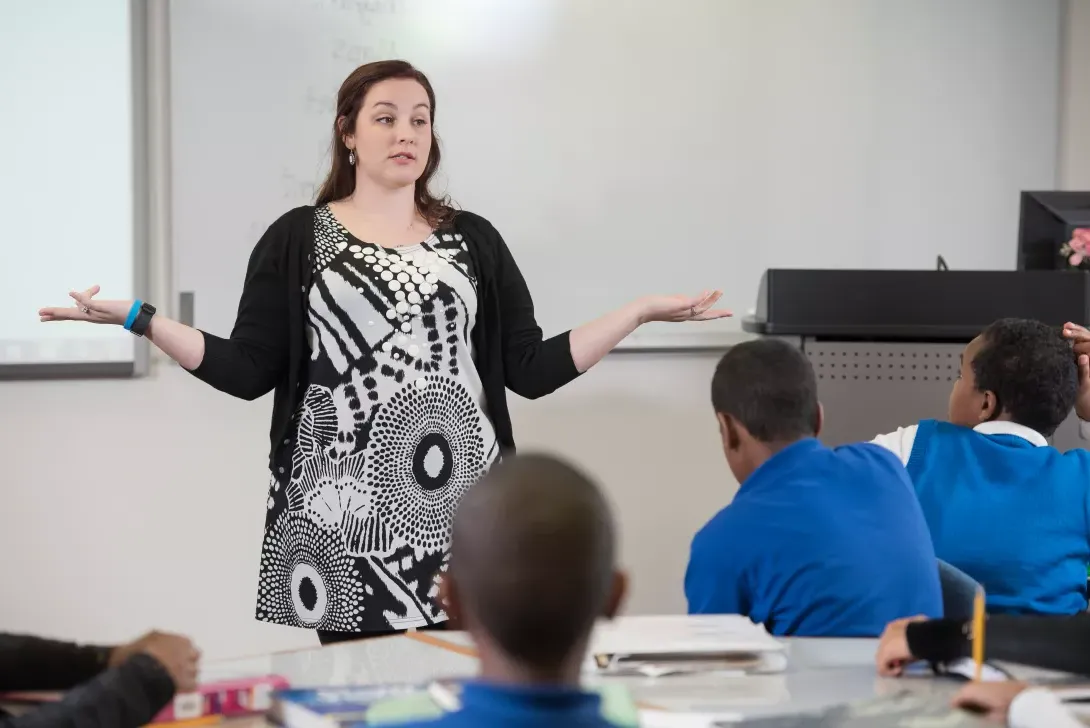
{"x": 821, "y": 673}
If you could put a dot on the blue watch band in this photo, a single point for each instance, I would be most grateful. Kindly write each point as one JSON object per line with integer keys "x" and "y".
{"x": 132, "y": 314}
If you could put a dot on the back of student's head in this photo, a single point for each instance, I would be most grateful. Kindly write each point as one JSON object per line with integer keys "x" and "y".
{"x": 769, "y": 387}
{"x": 1029, "y": 368}
{"x": 532, "y": 560}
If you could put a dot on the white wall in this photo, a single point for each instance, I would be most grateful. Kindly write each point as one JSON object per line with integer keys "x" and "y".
{"x": 1074, "y": 160}
{"x": 132, "y": 504}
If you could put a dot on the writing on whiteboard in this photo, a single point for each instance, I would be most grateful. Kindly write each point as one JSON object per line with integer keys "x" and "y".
{"x": 320, "y": 102}
{"x": 361, "y": 7}
{"x": 296, "y": 189}
{"x": 359, "y": 53}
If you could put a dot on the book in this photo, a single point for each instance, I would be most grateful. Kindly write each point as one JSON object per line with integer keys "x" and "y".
{"x": 346, "y": 707}
{"x": 225, "y": 698}
{"x": 335, "y": 707}
{"x": 212, "y": 700}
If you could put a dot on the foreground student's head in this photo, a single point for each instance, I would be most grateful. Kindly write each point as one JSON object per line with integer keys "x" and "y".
{"x": 765, "y": 397}
{"x": 532, "y": 569}
{"x": 1018, "y": 370}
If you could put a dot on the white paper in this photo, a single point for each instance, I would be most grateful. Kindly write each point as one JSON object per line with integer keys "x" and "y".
{"x": 681, "y": 634}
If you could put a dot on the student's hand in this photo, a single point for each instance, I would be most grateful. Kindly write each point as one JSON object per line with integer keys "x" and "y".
{"x": 1080, "y": 340}
{"x": 88, "y": 308}
{"x": 991, "y": 699}
{"x": 177, "y": 654}
{"x": 893, "y": 653}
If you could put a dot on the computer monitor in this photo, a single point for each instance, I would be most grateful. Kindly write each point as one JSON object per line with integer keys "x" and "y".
{"x": 1046, "y": 222}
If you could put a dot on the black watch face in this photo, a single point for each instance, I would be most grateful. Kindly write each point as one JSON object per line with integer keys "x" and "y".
{"x": 148, "y": 309}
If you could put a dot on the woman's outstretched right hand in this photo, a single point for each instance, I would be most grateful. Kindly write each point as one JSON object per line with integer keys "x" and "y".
{"x": 88, "y": 308}
{"x": 181, "y": 343}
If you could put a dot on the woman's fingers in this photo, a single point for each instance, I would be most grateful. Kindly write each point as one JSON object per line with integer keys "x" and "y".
{"x": 84, "y": 310}
{"x": 708, "y": 301}
{"x": 62, "y": 314}
{"x": 715, "y": 313}
{"x": 704, "y": 311}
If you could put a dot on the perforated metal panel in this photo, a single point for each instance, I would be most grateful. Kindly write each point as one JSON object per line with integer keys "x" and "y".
{"x": 873, "y": 388}
{"x": 870, "y": 388}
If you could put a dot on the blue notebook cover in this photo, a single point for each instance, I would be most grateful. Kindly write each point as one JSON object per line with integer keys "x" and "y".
{"x": 334, "y": 706}
{"x": 378, "y": 705}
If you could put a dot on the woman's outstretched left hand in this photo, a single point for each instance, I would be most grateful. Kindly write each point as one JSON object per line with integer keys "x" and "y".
{"x": 682, "y": 308}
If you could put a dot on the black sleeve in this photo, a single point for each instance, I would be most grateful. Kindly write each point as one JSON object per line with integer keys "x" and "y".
{"x": 1051, "y": 643}
{"x": 254, "y": 359}
{"x": 33, "y": 663}
{"x": 127, "y": 696}
{"x": 533, "y": 367}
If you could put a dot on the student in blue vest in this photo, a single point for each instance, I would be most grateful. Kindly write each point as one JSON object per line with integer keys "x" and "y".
{"x": 818, "y": 541}
{"x": 531, "y": 571}
{"x": 1002, "y": 505}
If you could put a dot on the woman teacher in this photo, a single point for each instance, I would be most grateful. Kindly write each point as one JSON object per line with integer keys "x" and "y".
{"x": 390, "y": 326}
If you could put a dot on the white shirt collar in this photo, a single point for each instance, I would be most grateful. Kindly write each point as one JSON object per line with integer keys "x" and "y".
{"x": 1001, "y": 427}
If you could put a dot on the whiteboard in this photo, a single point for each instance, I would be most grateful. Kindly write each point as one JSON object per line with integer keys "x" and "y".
{"x": 637, "y": 147}
{"x": 69, "y": 200}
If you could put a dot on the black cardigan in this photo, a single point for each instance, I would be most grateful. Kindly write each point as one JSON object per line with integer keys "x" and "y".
{"x": 126, "y": 696}
{"x": 267, "y": 348}
{"x": 1051, "y": 642}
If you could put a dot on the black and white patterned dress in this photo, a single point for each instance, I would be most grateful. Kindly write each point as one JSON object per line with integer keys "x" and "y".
{"x": 391, "y": 432}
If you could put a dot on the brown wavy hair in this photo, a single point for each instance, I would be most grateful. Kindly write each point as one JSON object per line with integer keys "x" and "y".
{"x": 341, "y": 180}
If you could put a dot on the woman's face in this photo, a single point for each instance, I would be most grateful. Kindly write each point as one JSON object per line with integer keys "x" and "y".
{"x": 392, "y": 137}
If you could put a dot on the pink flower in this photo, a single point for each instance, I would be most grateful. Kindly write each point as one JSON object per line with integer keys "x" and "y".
{"x": 1082, "y": 235}
{"x": 1075, "y": 259}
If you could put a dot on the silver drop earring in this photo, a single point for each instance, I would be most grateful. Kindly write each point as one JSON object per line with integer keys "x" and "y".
{"x": 351, "y": 157}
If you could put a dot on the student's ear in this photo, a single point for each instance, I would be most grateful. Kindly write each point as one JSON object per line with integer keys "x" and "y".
{"x": 617, "y": 594}
{"x": 989, "y": 406}
{"x": 449, "y": 598}
{"x": 819, "y": 420}
{"x": 728, "y": 430}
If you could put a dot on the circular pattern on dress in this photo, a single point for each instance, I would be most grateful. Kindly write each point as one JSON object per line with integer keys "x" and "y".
{"x": 303, "y": 564}
{"x": 425, "y": 451}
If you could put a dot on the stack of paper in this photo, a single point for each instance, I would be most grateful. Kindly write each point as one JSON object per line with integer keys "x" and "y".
{"x": 660, "y": 645}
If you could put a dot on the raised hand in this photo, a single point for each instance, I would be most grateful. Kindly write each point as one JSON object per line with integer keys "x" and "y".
{"x": 681, "y": 308}
{"x": 1080, "y": 340}
{"x": 88, "y": 308}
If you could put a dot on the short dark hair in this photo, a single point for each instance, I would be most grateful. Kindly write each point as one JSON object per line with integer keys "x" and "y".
{"x": 769, "y": 386}
{"x": 532, "y": 557}
{"x": 1031, "y": 369}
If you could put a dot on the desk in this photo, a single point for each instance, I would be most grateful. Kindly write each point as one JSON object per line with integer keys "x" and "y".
{"x": 821, "y": 673}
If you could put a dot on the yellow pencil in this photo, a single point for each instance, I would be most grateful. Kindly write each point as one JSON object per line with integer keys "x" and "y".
{"x": 978, "y": 635}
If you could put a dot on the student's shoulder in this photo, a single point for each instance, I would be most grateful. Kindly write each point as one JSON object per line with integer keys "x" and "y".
{"x": 1080, "y": 457}
{"x": 733, "y": 522}
{"x": 869, "y": 454}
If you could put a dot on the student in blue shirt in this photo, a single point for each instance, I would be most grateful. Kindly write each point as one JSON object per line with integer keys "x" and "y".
{"x": 1002, "y": 505}
{"x": 818, "y": 541}
{"x": 531, "y": 571}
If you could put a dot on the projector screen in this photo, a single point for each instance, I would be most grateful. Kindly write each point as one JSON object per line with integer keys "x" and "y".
{"x": 67, "y": 192}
